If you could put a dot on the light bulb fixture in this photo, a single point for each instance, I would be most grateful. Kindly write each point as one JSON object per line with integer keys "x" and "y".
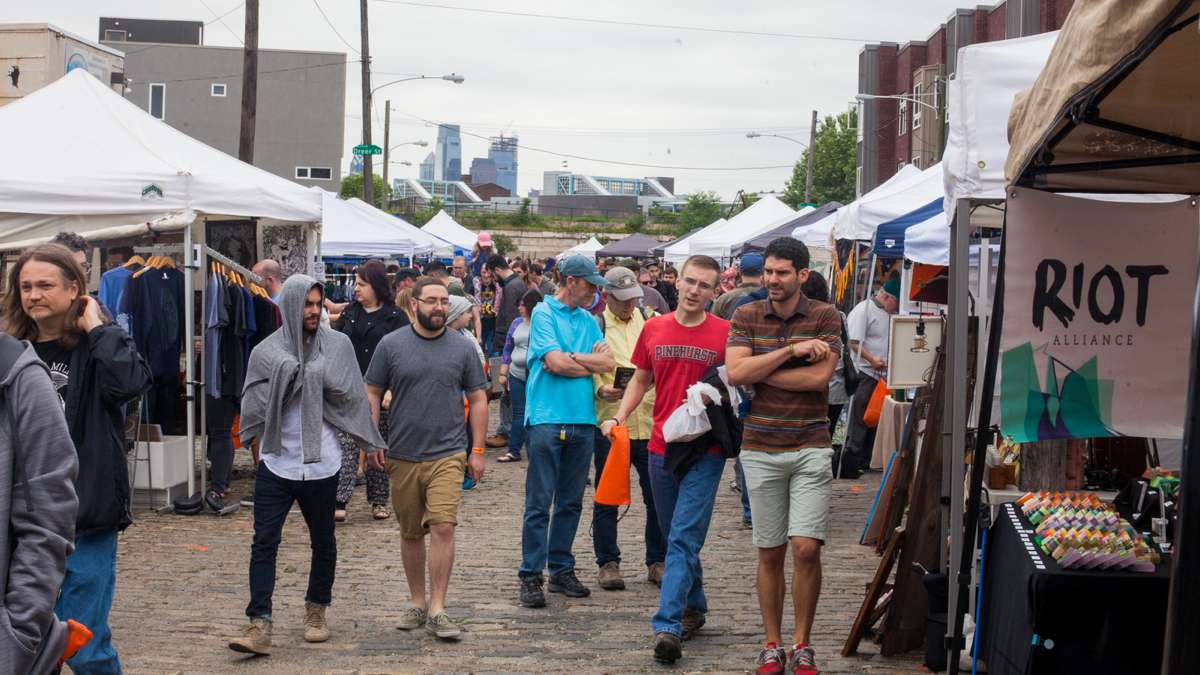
{"x": 920, "y": 343}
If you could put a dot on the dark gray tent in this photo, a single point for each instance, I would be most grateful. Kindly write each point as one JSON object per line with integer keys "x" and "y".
{"x": 760, "y": 242}
{"x": 633, "y": 246}
{"x": 658, "y": 250}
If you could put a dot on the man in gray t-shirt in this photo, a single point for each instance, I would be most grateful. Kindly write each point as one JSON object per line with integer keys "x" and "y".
{"x": 428, "y": 370}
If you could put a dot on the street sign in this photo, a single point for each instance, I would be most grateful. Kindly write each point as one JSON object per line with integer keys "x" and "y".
{"x": 368, "y": 150}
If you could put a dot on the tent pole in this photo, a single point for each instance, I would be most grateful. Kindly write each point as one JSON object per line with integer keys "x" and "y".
{"x": 966, "y": 538}
{"x": 189, "y": 329}
{"x": 870, "y": 284}
{"x": 1181, "y": 649}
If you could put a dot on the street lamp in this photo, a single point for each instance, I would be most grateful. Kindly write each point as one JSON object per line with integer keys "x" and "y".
{"x": 755, "y": 134}
{"x": 910, "y": 99}
{"x": 420, "y": 144}
{"x": 387, "y": 116}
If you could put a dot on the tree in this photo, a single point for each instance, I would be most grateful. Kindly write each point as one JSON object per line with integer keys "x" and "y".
{"x": 352, "y": 186}
{"x": 834, "y": 164}
{"x": 700, "y": 209}
{"x": 426, "y": 214}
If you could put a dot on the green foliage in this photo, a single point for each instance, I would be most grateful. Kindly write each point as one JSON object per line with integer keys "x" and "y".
{"x": 426, "y": 214}
{"x": 700, "y": 209}
{"x": 352, "y": 186}
{"x": 636, "y": 223}
{"x": 524, "y": 215}
{"x": 502, "y": 243}
{"x": 834, "y": 164}
{"x": 663, "y": 217}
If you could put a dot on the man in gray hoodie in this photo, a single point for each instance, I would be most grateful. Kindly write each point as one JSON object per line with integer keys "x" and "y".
{"x": 37, "y": 511}
{"x": 302, "y": 386}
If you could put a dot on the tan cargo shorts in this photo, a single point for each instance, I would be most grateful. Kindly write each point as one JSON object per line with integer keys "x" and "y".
{"x": 426, "y": 493}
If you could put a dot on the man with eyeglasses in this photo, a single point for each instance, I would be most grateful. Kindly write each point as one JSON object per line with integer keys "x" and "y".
{"x": 462, "y": 272}
{"x": 428, "y": 370}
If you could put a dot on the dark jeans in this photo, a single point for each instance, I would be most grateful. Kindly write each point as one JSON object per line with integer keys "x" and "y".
{"x": 273, "y": 498}
{"x": 162, "y": 402}
{"x": 742, "y": 489}
{"x": 559, "y": 456}
{"x": 835, "y": 413}
{"x": 859, "y": 437}
{"x": 604, "y": 518}
{"x": 219, "y": 425}
{"x": 518, "y": 431}
{"x": 87, "y": 596}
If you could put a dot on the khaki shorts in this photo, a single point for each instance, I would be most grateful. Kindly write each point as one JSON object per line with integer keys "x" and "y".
{"x": 426, "y": 493}
{"x": 789, "y": 494}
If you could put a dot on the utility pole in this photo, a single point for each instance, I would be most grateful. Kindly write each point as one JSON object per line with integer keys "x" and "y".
{"x": 368, "y": 180}
{"x": 387, "y": 138}
{"x": 249, "y": 84}
{"x": 812, "y": 150}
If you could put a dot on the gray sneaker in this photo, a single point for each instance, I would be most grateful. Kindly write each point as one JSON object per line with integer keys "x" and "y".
{"x": 443, "y": 627}
{"x": 411, "y": 618}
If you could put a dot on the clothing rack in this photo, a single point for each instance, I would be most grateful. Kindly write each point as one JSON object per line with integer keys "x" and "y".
{"x": 228, "y": 262}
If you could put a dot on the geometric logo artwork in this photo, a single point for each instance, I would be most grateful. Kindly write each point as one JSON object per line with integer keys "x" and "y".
{"x": 1066, "y": 403}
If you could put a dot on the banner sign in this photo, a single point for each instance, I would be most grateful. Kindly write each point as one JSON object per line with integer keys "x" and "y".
{"x": 1097, "y": 317}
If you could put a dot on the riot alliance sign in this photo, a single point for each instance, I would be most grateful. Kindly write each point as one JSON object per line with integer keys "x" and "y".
{"x": 1097, "y": 317}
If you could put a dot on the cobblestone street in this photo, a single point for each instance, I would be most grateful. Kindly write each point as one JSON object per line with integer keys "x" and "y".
{"x": 182, "y": 589}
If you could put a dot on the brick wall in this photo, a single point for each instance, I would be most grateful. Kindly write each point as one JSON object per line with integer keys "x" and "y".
{"x": 885, "y": 126}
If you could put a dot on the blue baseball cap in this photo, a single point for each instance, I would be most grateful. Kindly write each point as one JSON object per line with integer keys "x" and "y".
{"x": 581, "y": 268}
{"x": 752, "y": 264}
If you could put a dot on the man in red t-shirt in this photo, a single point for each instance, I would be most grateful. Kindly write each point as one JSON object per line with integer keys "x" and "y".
{"x": 674, "y": 352}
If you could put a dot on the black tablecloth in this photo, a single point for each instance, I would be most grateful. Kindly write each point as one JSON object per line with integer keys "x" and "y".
{"x": 1039, "y": 618}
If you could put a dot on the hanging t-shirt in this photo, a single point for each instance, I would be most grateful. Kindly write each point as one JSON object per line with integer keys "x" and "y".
{"x": 678, "y": 356}
{"x": 58, "y": 360}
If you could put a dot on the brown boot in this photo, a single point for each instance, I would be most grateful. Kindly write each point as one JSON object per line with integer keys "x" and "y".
{"x": 315, "y": 628}
{"x": 654, "y": 573}
{"x": 610, "y": 577}
{"x": 255, "y": 639}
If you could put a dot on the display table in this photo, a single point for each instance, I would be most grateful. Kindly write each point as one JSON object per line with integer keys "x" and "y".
{"x": 1039, "y": 618}
{"x": 890, "y": 431}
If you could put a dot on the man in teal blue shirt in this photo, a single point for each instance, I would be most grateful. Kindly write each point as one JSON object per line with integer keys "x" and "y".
{"x": 565, "y": 349}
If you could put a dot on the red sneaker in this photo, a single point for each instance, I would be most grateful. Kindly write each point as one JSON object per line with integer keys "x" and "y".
{"x": 771, "y": 661}
{"x": 803, "y": 661}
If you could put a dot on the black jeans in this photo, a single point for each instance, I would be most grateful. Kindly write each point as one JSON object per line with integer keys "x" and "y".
{"x": 860, "y": 439}
{"x": 835, "y": 412}
{"x": 219, "y": 423}
{"x": 273, "y": 498}
{"x": 162, "y": 403}
{"x": 604, "y": 518}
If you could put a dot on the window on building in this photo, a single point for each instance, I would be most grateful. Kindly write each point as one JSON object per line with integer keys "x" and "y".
{"x": 901, "y": 118}
{"x": 916, "y": 161}
{"x": 218, "y": 89}
{"x": 158, "y": 101}
{"x": 900, "y": 165}
{"x": 314, "y": 172}
{"x": 115, "y": 35}
{"x": 937, "y": 94}
{"x": 917, "y": 91}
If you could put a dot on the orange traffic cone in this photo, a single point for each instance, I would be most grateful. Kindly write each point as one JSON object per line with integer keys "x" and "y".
{"x": 613, "y": 489}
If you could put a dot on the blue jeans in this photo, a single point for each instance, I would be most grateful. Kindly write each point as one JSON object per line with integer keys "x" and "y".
{"x": 741, "y": 481}
{"x": 684, "y": 510}
{"x": 559, "y": 455}
{"x": 516, "y": 397}
{"x": 86, "y": 596}
{"x": 604, "y": 518}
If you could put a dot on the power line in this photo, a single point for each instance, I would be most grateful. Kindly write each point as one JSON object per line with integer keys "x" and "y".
{"x": 220, "y": 18}
{"x": 236, "y": 8}
{"x": 609, "y": 161}
{"x": 232, "y": 76}
{"x": 635, "y": 24}
{"x": 334, "y": 28}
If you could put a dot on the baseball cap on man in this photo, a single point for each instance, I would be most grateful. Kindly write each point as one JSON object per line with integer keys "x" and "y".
{"x": 622, "y": 284}
{"x": 752, "y": 264}
{"x": 892, "y": 287}
{"x": 581, "y": 268}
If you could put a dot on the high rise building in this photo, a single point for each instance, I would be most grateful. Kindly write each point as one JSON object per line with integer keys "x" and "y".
{"x": 427, "y": 167}
{"x": 503, "y": 154}
{"x": 449, "y": 153}
{"x": 484, "y": 171}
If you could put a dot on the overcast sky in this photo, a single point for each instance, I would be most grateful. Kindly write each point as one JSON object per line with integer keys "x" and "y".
{"x": 657, "y": 96}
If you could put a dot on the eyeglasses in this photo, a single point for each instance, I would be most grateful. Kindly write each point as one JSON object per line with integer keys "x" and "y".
{"x": 434, "y": 302}
{"x": 87, "y": 268}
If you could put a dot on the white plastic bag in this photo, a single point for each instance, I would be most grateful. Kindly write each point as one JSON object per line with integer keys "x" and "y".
{"x": 690, "y": 421}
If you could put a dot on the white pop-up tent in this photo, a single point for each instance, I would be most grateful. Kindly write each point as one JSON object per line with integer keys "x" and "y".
{"x": 848, "y": 214}
{"x": 678, "y": 251}
{"x": 816, "y": 235}
{"x": 447, "y": 229}
{"x": 891, "y": 200}
{"x": 719, "y": 239}
{"x": 355, "y": 228}
{"x": 587, "y": 248}
{"x": 78, "y": 156}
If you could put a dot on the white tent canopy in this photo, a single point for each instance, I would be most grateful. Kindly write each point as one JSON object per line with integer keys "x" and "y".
{"x": 719, "y": 239}
{"x": 987, "y": 77}
{"x": 77, "y": 155}
{"x": 816, "y": 235}
{"x": 677, "y": 253}
{"x": 587, "y": 248}
{"x": 447, "y": 229}
{"x": 909, "y": 189}
{"x": 355, "y": 228}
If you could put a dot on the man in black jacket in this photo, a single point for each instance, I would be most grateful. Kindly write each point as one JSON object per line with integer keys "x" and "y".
{"x": 96, "y": 369}
{"x": 512, "y": 288}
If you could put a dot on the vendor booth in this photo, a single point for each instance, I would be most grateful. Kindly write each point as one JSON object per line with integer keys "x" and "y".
{"x": 633, "y": 246}
{"x": 803, "y": 219}
{"x": 448, "y": 230}
{"x": 659, "y": 250}
{"x": 587, "y": 249}
{"x": 676, "y": 252}
{"x": 81, "y": 158}
{"x": 720, "y": 239}
{"x": 354, "y": 228}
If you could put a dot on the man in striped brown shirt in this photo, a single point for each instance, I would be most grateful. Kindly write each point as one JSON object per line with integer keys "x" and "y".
{"x": 786, "y": 348}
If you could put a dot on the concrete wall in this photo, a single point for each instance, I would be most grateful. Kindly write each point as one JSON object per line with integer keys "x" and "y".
{"x": 301, "y": 102}
{"x": 545, "y": 244}
{"x": 584, "y": 205}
